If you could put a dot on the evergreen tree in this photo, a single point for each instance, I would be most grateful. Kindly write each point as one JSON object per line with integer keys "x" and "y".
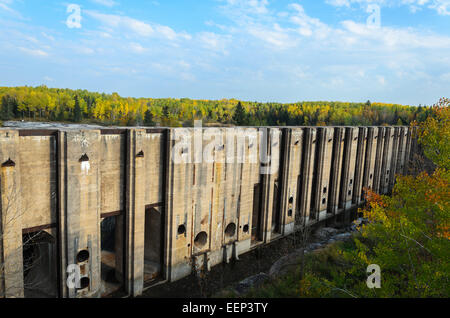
{"x": 148, "y": 118}
{"x": 8, "y": 109}
{"x": 239, "y": 116}
{"x": 77, "y": 115}
{"x": 138, "y": 118}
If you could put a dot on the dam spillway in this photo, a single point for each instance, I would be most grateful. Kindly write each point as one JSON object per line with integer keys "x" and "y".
{"x": 85, "y": 212}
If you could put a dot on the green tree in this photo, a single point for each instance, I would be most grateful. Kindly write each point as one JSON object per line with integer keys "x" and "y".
{"x": 148, "y": 118}
{"x": 240, "y": 115}
{"x": 77, "y": 113}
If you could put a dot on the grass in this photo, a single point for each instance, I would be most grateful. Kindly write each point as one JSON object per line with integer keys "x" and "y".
{"x": 325, "y": 269}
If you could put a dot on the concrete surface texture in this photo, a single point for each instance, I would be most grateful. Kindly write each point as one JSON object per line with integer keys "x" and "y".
{"x": 88, "y": 211}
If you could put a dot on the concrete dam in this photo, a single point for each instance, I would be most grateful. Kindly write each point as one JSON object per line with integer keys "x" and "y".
{"x": 88, "y": 212}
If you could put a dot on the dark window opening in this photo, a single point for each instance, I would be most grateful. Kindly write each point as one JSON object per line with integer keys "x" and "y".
{"x": 256, "y": 214}
{"x": 82, "y": 256}
{"x": 39, "y": 265}
{"x": 84, "y": 282}
{"x": 230, "y": 230}
{"x": 181, "y": 229}
{"x": 276, "y": 209}
{"x": 153, "y": 243}
{"x": 111, "y": 257}
{"x": 201, "y": 239}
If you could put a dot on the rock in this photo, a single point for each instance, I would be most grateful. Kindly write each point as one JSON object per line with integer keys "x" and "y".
{"x": 314, "y": 246}
{"x": 342, "y": 236}
{"x": 283, "y": 265}
{"x": 247, "y": 284}
{"x": 325, "y": 232}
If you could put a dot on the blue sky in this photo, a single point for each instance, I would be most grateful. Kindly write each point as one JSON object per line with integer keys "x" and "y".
{"x": 258, "y": 50}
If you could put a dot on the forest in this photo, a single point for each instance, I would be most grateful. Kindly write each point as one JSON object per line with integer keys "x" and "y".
{"x": 81, "y": 106}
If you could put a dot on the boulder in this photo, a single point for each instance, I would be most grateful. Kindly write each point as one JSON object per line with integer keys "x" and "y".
{"x": 342, "y": 236}
{"x": 325, "y": 232}
{"x": 285, "y": 263}
{"x": 247, "y": 284}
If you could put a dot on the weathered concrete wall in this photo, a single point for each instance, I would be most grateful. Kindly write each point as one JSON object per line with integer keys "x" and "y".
{"x": 230, "y": 190}
{"x": 386, "y": 165}
{"x": 348, "y": 167}
{"x": 323, "y": 171}
{"x": 358, "y": 194}
{"x": 336, "y": 170}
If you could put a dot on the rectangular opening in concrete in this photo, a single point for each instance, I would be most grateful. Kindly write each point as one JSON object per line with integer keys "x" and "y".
{"x": 111, "y": 254}
{"x": 312, "y": 209}
{"x": 298, "y": 210}
{"x": 256, "y": 214}
{"x": 276, "y": 210}
{"x": 153, "y": 245}
{"x": 39, "y": 265}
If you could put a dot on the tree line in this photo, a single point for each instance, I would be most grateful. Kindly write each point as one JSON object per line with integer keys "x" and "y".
{"x": 55, "y": 104}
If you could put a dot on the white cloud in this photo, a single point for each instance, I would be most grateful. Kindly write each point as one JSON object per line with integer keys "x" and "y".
{"x": 106, "y": 3}
{"x": 122, "y": 23}
{"x": 249, "y": 6}
{"x": 214, "y": 42}
{"x": 442, "y": 7}
{"x": 137, "y": 48}
{"x": 125, "y": 24}
{"x": 33, "y": 52}
{"x": 5, "y": 5}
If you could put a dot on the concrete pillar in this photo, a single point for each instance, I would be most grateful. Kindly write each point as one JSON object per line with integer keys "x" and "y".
{"x": 386, "y": 160}
{"x": 290, "y": 170}
{"x": 394, "y": 158}
{"x": 348, "y": 167}
{"x": 323, "y": 171}
{"x": 370, "y": 158}
{"x": 408, "y": 151}
{"x": 180, "y": 204}
{"x": 379, "y": 159}
{"x": 269, "y": 170}
{"x": 61, "y": 233}
{"x": 82, "y": 232}
{"x": 135, "y": 212}
{"x": 336, "y": 170}
{"x": 414, "y": 145}
{"x": 11, "y": 215}
{"x": 250, "y": 175}
{"x": 360, "y": 164}
{"x": 308, "y": 174}
{"x": 403, "y": 136}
